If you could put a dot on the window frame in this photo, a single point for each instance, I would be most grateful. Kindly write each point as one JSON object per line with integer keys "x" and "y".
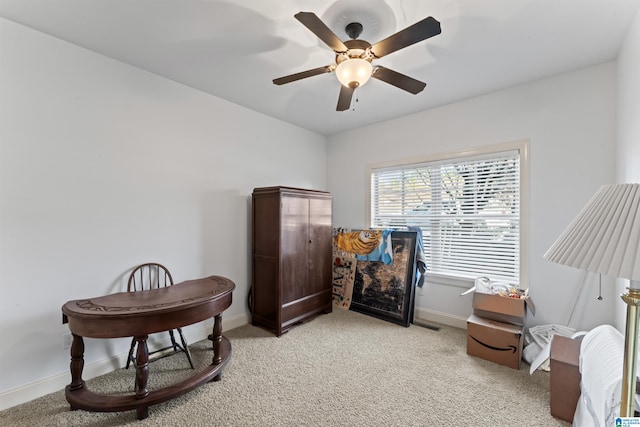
{"x": 522, "y": 146}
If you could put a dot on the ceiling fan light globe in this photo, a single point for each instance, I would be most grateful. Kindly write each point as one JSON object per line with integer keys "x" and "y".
{"x": 354, "y": 72}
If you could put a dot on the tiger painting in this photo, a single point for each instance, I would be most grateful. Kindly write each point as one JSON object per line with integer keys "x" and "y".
{"x": 360, "y": 242}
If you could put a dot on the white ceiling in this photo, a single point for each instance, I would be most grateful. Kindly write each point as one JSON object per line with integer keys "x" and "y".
{"x": 234, "y": 49}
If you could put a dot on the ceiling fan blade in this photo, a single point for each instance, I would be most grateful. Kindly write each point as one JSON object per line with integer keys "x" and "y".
{"x": 398, "y": 80}
{"x": 317, "y": 27}
{"x": 417, "y": 32}
{"x": 344, "y": 99}
{"x": 304, "y": 74}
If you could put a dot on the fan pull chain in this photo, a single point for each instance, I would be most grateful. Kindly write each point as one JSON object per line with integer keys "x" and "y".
{"x": 600, "y": 288}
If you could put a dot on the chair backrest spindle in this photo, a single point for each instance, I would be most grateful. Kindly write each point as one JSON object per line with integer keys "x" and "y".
{"x": 149, "y": 276}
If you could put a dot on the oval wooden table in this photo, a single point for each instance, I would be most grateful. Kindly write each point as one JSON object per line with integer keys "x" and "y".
{"x": 138, "y": 314}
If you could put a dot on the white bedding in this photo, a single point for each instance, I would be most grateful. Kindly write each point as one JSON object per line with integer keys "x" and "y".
{"x": 601, "y": 359}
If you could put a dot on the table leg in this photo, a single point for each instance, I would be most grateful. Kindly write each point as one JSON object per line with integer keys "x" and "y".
{"x": 77, "y": 363}
{"x": 217, "y": 341}
{"x": 142, "y": 375}
{"x": 142, "y": 412}
{"x": 142, "y": 367}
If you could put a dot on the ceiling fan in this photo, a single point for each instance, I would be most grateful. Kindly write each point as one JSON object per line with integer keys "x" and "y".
{"x": 353, "y": 57}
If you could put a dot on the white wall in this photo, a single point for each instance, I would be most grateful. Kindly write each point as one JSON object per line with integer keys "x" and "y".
{"x": 570, "y": 123}
{"x": 628, "y": 156}
{"x": 104, "y": 166}
{"x": 628, "y": 150}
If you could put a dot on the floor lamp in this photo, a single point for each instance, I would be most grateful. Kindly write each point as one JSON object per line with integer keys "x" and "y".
{"x": 605, "y": 238}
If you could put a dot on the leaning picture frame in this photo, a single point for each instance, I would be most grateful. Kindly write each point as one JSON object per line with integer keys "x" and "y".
{"x": 387, "y": 291}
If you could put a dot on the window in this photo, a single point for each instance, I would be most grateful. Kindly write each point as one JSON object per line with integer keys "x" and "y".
{"x": 468, "y": 208}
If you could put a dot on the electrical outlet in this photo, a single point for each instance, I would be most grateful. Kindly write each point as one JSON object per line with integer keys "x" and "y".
{"x": 67, "y": 340}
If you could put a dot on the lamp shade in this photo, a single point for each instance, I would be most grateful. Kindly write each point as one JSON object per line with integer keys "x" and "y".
{"x": 354, "y": 72}
{"x": 605, "y": 236}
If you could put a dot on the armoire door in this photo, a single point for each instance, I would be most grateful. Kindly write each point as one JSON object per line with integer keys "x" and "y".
{"x": 294, "y": 248}
{"x": 320, "y": 242}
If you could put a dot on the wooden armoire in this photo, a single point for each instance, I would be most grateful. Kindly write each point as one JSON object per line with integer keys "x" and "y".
{"x": 291, "y": 256}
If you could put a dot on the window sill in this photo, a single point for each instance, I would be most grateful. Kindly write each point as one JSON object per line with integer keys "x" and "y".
{"x": 458, "y": 282}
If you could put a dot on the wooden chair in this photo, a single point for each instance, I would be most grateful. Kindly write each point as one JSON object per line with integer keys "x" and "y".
{"x": 152, "y": 276}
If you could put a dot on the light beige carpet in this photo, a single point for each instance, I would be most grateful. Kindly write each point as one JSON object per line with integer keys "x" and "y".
{"x": 340, "y": 369}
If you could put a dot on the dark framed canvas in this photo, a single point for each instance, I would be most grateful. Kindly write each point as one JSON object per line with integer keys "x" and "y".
{"x": 387, "y": 291}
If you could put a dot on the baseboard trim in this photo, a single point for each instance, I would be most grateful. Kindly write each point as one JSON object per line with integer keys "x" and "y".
{"x": 439, "y": 317}
{"x": 57, "y": 382}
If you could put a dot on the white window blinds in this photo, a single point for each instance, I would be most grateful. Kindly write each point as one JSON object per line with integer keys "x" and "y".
{"x": 468, "y": 210}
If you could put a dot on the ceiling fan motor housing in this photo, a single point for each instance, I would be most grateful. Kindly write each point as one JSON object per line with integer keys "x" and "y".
{"x": 355, "y": 49}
